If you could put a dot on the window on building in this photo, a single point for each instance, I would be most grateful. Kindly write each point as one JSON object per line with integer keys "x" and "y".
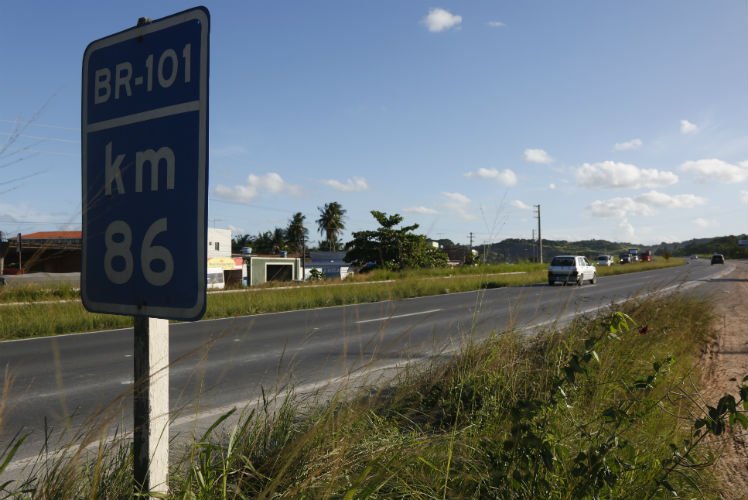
{"x": 218, "y": 246}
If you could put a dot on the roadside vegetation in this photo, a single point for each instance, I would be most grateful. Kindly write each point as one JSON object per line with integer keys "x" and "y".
{"x": 607, "y": 407}
{"x": 58, "y": 310}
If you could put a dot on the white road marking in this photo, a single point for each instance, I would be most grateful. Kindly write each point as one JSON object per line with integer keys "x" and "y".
{"x": 387, "y": 318}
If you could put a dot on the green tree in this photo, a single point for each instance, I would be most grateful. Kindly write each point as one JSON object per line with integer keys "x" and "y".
{"x": 240, "y": 241}
{"x": 393, "y": 247}
{"x": 296, "y": 233}
{"x": 263, "y": 243}
{"x": 279, "y": 239}
{"x": 331, "y": 223}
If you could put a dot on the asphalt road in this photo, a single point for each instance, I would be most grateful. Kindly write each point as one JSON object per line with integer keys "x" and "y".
{"x": 61, "y": 385}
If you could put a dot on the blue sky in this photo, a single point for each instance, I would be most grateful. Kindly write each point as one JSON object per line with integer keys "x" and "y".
{"x": 625, "y": 121}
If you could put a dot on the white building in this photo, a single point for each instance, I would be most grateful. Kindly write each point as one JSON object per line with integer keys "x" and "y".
{"x": 219, "y": 243}
{"x": 330, "y": 264}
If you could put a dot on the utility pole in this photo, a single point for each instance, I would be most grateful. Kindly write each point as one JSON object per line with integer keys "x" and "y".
{"x": 19, "y": 249}
{"x": 540, "y": 238}
{"x": 470, "y": 248}
{"x": 534, "y": 247}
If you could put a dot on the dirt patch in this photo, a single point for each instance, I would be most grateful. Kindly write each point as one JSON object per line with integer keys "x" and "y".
{"x": 725, "y": 363}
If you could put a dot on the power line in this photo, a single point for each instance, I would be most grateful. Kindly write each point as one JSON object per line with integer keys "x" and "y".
{"x": 43, "y": 125}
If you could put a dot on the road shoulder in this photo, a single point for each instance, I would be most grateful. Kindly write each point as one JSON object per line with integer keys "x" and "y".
{"x": 724, "y": 364}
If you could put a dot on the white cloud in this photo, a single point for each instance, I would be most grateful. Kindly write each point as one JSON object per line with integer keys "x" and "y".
{"x": 627, "y": 228}
{"x": 495, "y": 24}
{"x": 717, "y": 170}
{"x": 537, "y": 156}
{"x": 610, "y": 174}
{"x": 665, "y": 200}
{"x": 520, "y": 205}
{"x": 506, "y": 177}
{"x": 20, "y": 212}
{"x": 458, "y": 198}
{"x": 355, "y": 184}
{"x": 612, "y": 209}
{"x": 628, "y": 145}
{"x": 642, "y": 205}
{"x": 619, "y": 208}
{"x": 255, "y": 186}
{"x": 687, "y": 127}
{"x": 16, "y": 216}
{"x": 460, "y": 204}
{"x": 705, "y": 223}
{"x": 551, "y": 186}
{"x": 420, "y": 210}
{"x": 235, "y": 230}
{"x": 440, "y": 20}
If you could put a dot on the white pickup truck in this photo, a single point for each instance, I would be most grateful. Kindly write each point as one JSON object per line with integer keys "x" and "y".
{"x": 571, "y": 269}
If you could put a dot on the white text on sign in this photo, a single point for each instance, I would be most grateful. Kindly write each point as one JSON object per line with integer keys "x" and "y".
{"x": 121, "y": 81}
{"x": 151, "y": 157}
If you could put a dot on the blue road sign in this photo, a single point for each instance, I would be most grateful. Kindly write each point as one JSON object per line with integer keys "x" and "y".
{"x": 144, "y": 135}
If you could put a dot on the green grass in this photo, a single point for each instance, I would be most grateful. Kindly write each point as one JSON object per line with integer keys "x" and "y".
{"x": 506, "y": 418}
{"x": 36, "y": 293}
{"x": 36, "y": 317}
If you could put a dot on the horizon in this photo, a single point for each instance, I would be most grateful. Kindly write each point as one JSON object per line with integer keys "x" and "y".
{"x": 13, "y": 237}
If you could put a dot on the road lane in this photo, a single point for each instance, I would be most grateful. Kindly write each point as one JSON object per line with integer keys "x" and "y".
{"x": 219, "y": 363}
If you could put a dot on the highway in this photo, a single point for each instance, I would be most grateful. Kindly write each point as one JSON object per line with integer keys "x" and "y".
{"x": 60, "y": 385}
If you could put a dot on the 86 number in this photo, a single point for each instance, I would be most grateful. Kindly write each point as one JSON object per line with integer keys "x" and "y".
{"x": 118, "y": 240}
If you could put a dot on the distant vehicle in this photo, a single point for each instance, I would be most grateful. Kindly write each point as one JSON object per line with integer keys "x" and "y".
{"x": 571, "y": 269}
{"x": 646, "y": 256}
{"x": 633, "y": 254}
{"x": 624, "y": 258}
{"x": 718, "y": 258}
{"x": 605, "y": 260}
{"x": 694, "y": 257}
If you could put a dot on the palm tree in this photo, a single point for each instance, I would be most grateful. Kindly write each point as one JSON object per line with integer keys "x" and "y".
{"x": 331, "y": 223}
{"x": 296, "y": 233}
{"x": 239, "y": 242}
{"x": 279, "y": 239}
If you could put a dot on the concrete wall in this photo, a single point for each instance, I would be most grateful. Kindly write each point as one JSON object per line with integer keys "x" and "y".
{"x": 259, "y": 266}
{"x": 219, "y": 242}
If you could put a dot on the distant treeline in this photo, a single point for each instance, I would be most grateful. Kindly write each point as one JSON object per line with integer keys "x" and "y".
{"x": 517, "y": 250}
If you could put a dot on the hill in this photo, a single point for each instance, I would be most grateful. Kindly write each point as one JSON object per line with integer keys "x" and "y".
{"x": 517, "y": 249}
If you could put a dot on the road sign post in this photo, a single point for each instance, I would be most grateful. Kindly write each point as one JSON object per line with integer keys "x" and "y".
{"x": 144, "y": 151}
{"x": 151, "y": 404}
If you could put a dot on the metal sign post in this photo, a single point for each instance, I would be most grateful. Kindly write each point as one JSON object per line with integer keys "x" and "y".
{"x": 144, "y": 152}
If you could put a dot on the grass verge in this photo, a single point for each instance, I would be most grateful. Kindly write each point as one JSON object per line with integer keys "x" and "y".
{"x": 35, "y": 317}
{"x": 605, "y": 408}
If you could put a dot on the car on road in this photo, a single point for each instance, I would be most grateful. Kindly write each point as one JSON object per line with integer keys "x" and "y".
{"x": 571, "y": 269}
{"x": 718, "y": 258}
{"x": 605, "y": 260}
{"x": 624, "y": 258}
